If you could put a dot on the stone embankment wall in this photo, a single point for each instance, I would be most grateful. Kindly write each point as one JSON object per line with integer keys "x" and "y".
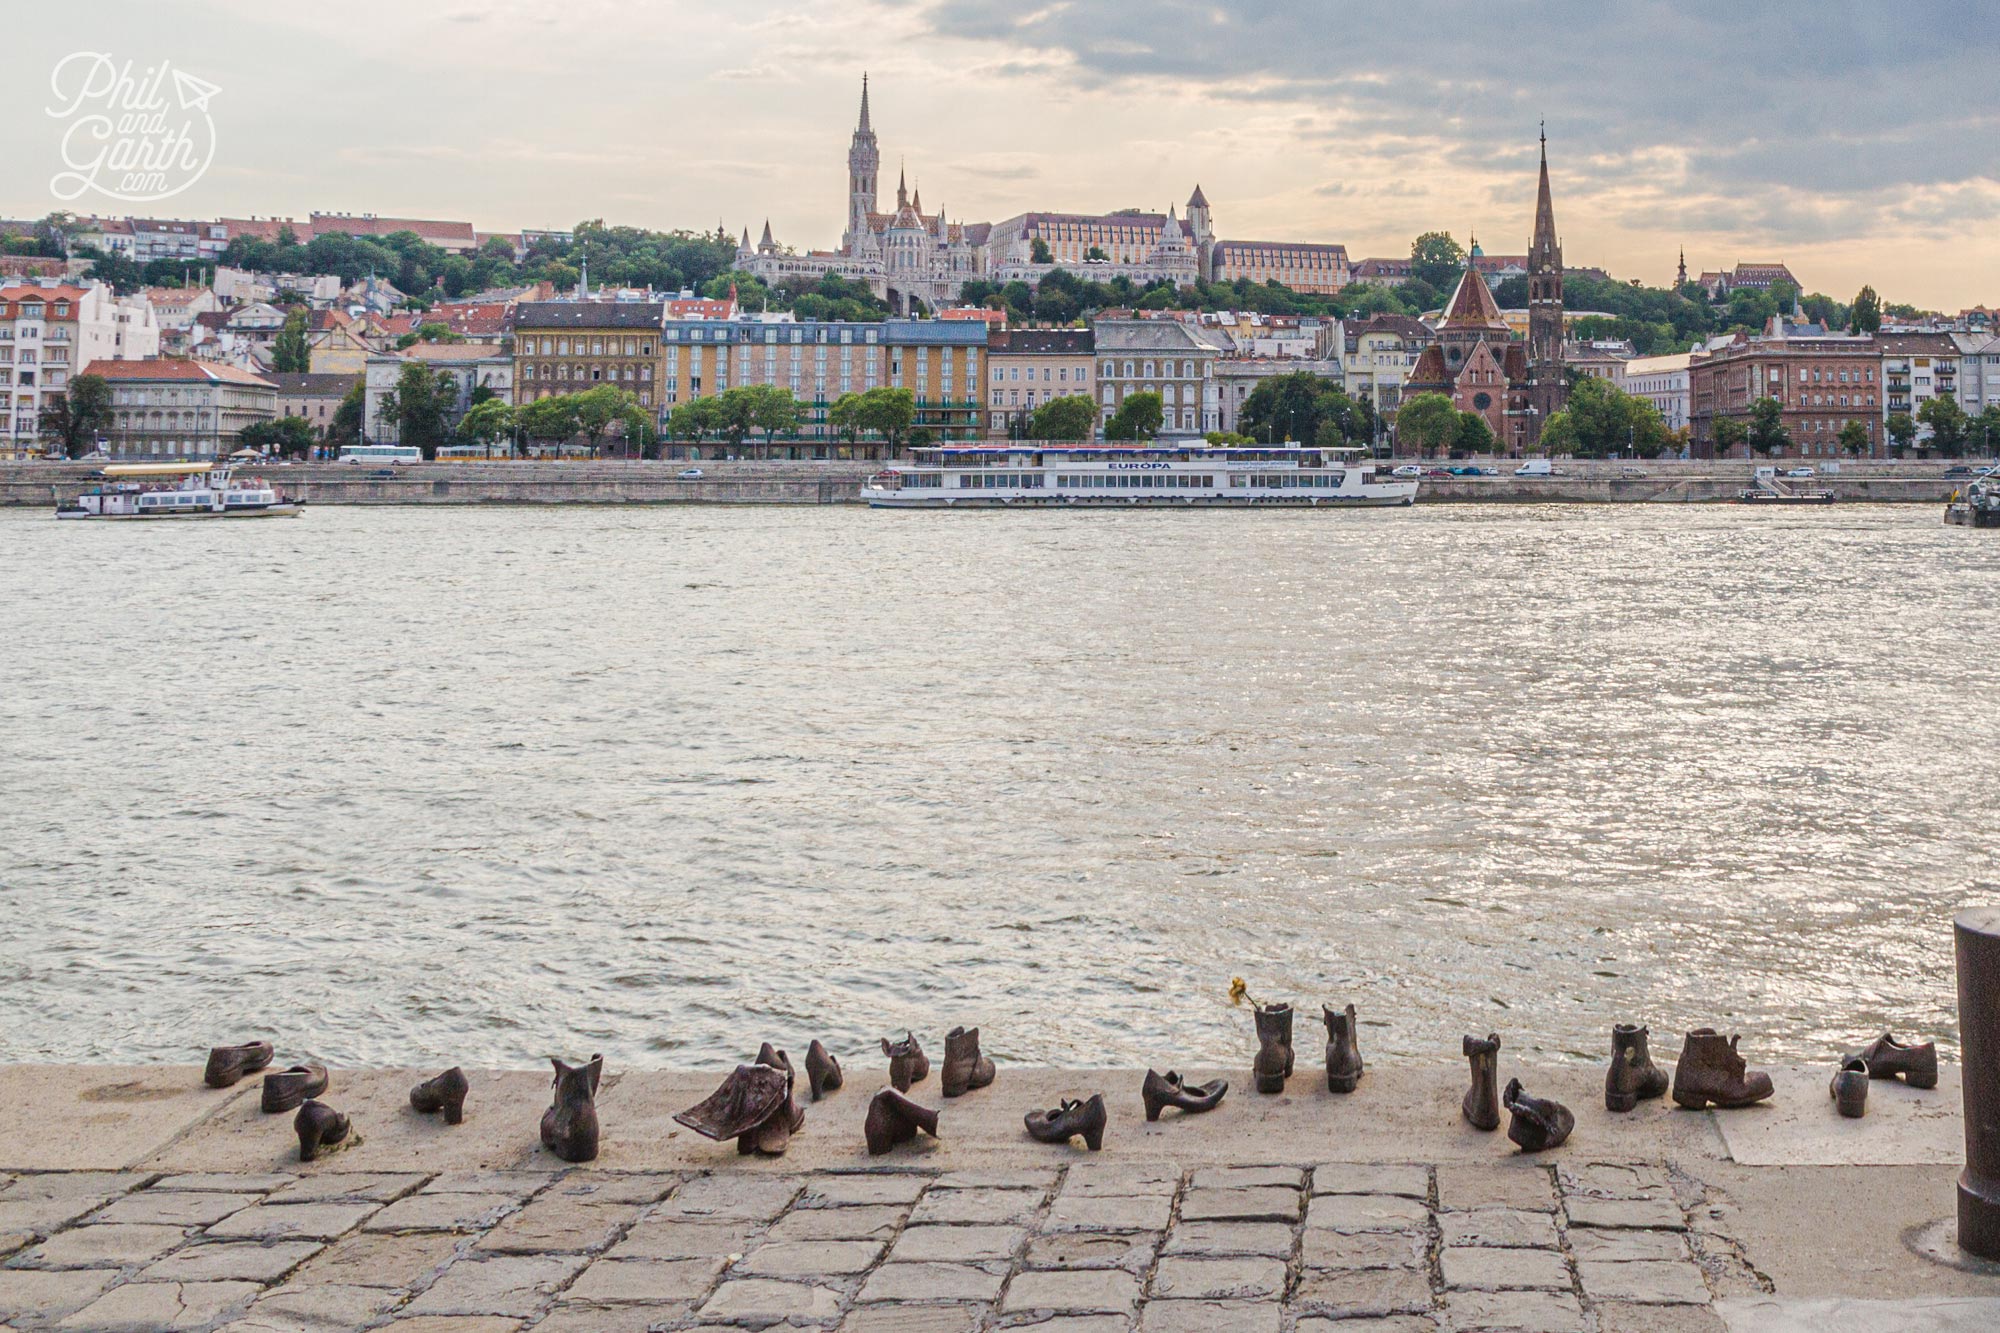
{"x": 40, "y": 485}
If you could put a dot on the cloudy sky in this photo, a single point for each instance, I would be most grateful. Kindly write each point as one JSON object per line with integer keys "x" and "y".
{"x": 1857, "y": 140}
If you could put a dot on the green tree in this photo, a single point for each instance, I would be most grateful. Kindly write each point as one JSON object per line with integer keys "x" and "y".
{"x": 289, "y": 353}
{"x": 599, "y": 409}
{"x": 695, "y": 420}
{"x": 1865, "y": 316}
{"x": 1729, "y": 437}
{"x": 1901, "y": 428}
{"x": 1071, "y": 417}
{"x": 71, "y": 423}
{"x": 1985, "y": 431}
{"x": 1473, "y": 435}
{"x": 1947, "y": 422}
{"x": 488, "y": 422}
{"x": 419, "y": 405}
{"x": 844, "y": 415}
{"x": 1095, "y": 255}
{"x": 1427, "y": 422}
{"x": 345, "y": 427}
{"x": 773, "y": 409}
{"x": 1854, "y": 438}
{"x": 1038, "y": 251}
{"x": 1138, "y": 418}
{"x": 1301, "y": 406}
{"x": 1767, "y": 427}
{"x": 290, "y": 437}
{"x": 549, "y": 421}
{"x": 1603, "y": 419}
{"x": 124, "y": 276}
{"x": 887, "y": 412}
{"x": 1437, "y": 259}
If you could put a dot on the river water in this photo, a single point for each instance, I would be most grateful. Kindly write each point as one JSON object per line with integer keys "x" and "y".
{"x": 427, "y": 786}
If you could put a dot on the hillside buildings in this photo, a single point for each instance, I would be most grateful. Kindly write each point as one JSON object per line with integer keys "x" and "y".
{"x": 48, "y": 329}
{"x": 178, "y": 409}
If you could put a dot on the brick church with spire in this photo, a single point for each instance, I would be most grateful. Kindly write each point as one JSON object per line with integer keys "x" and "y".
{"x": 1479, "y": 364}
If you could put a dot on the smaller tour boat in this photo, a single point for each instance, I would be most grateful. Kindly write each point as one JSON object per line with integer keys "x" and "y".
{"x": 179, "y": 490}
{"x": 1978, "y": 504}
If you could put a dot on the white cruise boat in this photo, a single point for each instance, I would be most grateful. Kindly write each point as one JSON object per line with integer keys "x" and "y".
{"x": 1189, "y": 476}
{"x": 179, "y": 490}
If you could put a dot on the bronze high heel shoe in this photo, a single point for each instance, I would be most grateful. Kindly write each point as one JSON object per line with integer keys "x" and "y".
{"x": 444, "y": 1093}
{"x": 1163, "y": 1090}
{"x": 1068, "y": 1120}
{"x": 822, "y": 1070}
{"x": 320, "y": 1129}
{"x": 1482, "y": 1100}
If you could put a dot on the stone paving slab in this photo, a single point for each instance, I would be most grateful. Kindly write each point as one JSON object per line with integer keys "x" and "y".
{"x": 1799, "y": 1127}
{"x": 1943, "y": 1314}
{"x": 112, "y": 1116}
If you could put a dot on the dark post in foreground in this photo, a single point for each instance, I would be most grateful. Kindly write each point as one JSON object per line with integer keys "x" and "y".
{"x": 1978, "y": 942}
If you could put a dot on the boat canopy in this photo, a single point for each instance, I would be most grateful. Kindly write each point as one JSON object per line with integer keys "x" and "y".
{"x": 156, "y": 469}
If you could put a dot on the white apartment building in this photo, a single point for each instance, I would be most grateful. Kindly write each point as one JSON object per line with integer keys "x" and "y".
{"x": 1916, "y": 367}
{"x": 1377, "y": 355}
{"x": 1978, "y": 371}
{"x": 1663, "y": 381}
{"x": 47, "y": 330}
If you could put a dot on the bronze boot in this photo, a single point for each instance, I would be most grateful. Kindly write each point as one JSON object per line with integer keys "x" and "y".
{"x": 569, "y": 1126}
{"x": 893, "y": 1119}
{"x": 1482, "y": 1100}
{"x": 907, "y": 1063}
{"x": 1343, "y": 1049}
{"x": 822, "y": 1070}
{"x": 752, "y": 1096}
{"x": 1537, "y": 1123}
{"x": 1710, "y": 1072}
{"x": 1886, "y": 1057}
{"x": 444, "y": 1093}
{"x": 1068, "y": 1120}
{"x": 775, "y": 1135}
{"x": 1163, "y": 1090}
{"x": 320, "y": 1129}
{"x": 1273, "y": 1064}
{"x": 1849, "y": 1088}
{"x": 1633, "y": 1077}
{"x": 965, "y": 1069}
{"x": 228, "y": 1064}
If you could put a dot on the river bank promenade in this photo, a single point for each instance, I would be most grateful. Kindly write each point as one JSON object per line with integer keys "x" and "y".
{"x": 138, "y": 1199}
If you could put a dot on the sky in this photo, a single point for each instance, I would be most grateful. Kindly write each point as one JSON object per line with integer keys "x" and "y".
{"x": 1858, "y": 142}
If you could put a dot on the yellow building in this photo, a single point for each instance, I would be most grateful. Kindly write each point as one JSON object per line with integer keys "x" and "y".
{"x": 569, "y": 346}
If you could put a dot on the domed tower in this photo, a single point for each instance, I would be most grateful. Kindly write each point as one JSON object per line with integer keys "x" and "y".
{"x": 864, "y": 163}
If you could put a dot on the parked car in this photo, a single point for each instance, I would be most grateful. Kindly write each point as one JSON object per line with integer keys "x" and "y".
{"x": 1800, "y": 472}
{"x": 1960, "y": 471}
{"x": 1630, "y": 471}
{"x": 1408, "y": 470}
{"x": 1439, "y": 471}
{"x": 690, "y": 474}
{"x": 1536, "y": 467}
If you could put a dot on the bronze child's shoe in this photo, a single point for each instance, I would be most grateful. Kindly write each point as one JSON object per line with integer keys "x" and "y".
{"x": 965, "y": 1069}
{"x": 1163, "y": 1090}
{"x": 752, "y": 1096}
{"x": 822, "y": 1070}
{"x": 1711, "y": 1072}
{"x": 1886, "y": 1058}
{"x": 1343, "y": 1049}
{"x": 1633, "y": 1077}
{"x": 893, "y": 1119}
{"x": 288, "y": 1089}
{"x": 1538, "y": 1123}
{"x": 1068, "y": 1120}
{"x": 1274, "y": 1047}
{"x": 569, "y": 1126}
{"x": 444, "y": 1093}
{"x": 1849, "y": 1088}
{"x": 228, "y": 1064}
{"x": 1482, "y": 1100}
{"x": 908, "y": 1065}
{"x": 320, "y": 1129}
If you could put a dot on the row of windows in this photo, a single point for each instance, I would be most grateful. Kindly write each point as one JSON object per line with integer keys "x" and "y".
{"x": 33, "y": 310}
{"x": 1027, "y": 481}
{"x": 1139, "y": 481}
{"x": 566, "y": 372}
{"x": 1166, "y": 369}
{"x": 588, "y": 347}
{"x": 1167, "y": 393}
{"x": 1002, "y": 373}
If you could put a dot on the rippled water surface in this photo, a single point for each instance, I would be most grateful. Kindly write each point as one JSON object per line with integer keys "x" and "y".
{"x": 435, "y": 785}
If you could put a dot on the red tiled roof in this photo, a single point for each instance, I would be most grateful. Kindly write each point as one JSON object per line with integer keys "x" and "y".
{"x": 26, "y": 292}
{"x": 174, "y": 369}
{"x": 429, "y": 229}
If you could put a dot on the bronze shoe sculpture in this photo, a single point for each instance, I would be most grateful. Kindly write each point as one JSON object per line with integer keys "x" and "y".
{"x": 908, "y": 1064}
{"x": 1273, "y": 1064}
{"x": 1886, "y": 1058}
{"x": 1538, "y": 1123}
{"x": 775, "y": 1135}
{"x": 965, "y": 1069}
{"x": 822, "y": 1070}
{"x": 893, "y": 1119}
{"x": 444, "y": 1093}
{"x": 288, "y": 1089}
{"x": 1849, "y": 1088}
{"x": 1069, "y": 1120}
{"x": 569, "y": 1126}
{"x": 1343, "y": 1049}
{"x": 228, "y": 1064}
{"x": 1710, "y": 1072}
{"x": 1633, "y": 1077}
{"x": 753, "y": 1096}
{"x": 320, "y": 1129}
{"x": 1482, "y": 1100}
{"x": 1163, "y": 1090}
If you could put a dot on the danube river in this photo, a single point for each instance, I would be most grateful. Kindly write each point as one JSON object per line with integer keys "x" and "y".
{"x": 423, "y": 786}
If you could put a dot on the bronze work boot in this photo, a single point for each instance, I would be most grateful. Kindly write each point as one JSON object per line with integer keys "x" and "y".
{"x": 1274, "y": 1047}
{"x": 908, "y": 1065}
{"x": 1849, "y": 1088}
{"x": 1888, "y": 1057}
{"x": 893, "y": 1119}
{"x": 1482, "y": 1099}
{"x": 1343, "y": 1049}
{"x": 444, "y": 1093}
{"x": 569, "y": 1126}
{"x": 965, "y": 1069}
{"x": 822, "y": 1070}
{"x": 1538, "y": 1123}
{"x": 1710, "y": 1072}
{"x": 1633, "y": 1077}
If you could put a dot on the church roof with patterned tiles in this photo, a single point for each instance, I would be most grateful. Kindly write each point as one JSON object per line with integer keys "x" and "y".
{"x": 1473, "y": 307}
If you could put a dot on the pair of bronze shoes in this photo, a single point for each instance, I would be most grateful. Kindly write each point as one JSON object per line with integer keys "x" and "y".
{"x": 284, "y": 1089}
{"x": 1885, "y": 1057}
{"x": 965, "y": 1069}
{"x": 755, "y": 1106}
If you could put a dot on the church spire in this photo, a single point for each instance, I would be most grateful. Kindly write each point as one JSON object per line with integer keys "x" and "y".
{"x": 864, "y": 127}
{"x": 902, "y": 187}
{"x": 1545, "y": 246}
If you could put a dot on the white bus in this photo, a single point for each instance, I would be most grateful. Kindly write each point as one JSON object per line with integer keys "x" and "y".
{"x": 381, "y": 453}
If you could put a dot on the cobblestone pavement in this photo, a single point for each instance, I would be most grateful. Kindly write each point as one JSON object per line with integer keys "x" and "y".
{"x": 1629, "y": 1247}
